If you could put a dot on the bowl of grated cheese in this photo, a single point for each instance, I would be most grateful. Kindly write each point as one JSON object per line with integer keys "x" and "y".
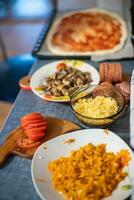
{"x": 98, "y": 105}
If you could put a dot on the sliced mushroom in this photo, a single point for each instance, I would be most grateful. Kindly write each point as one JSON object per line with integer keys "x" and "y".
{"x": 64, "y": 79}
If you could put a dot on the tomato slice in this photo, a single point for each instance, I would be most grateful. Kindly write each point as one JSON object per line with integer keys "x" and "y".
{"x": 36, "y": 129}
{"x": 33, "y": 115}
{"x": 61, "y": 66}
{"x": 35, "y": 136}
{"x": 32, "y": 122}
{"x": 32, "y": 118}
{"x": 35, "y": 125}
{"x": 27, "y": 143}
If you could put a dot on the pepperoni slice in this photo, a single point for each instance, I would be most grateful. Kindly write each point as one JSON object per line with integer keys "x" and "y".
{"x": 113, "y": 72}
{"x": 106, "y": 68}
{"x": 119, "y": 72}
{"x": 109, "y": 73}
{"x": 102, "y": 72}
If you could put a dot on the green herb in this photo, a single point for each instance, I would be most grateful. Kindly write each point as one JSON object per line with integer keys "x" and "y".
{"x": 126, "y": 187}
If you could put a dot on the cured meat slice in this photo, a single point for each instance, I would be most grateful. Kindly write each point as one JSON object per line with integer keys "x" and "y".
{"x": 124, "y": 88}
{"x": 111, "y": 72}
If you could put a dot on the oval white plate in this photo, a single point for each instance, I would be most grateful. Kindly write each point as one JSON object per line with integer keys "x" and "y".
{"x": 41, "y": 75}
{"x": 56, "y": 147}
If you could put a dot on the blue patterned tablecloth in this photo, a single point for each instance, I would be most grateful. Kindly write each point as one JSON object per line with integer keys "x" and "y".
{"x": 15, "y": 175}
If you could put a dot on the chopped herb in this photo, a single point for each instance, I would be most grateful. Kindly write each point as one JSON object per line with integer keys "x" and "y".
{"x": 126, "y": 187}
{"x": 69, "y": 141}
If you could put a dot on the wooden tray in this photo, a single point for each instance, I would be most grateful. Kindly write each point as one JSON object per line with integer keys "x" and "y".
{"x": 56, "y": 127}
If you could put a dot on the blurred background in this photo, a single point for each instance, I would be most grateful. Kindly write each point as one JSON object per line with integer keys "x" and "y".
{"x": 21, "y": 22}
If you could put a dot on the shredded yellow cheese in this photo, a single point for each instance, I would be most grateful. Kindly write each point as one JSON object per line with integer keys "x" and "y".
{"x": 98, "y": 107}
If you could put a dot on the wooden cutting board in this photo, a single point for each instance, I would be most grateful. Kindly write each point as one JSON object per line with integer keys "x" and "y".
{"x": 56, "y": 127}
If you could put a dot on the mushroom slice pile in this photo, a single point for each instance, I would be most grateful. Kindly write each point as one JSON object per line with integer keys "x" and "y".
{"x": 65, "y": 79}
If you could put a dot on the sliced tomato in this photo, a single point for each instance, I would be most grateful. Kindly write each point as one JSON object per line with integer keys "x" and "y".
{"x": 32, "y": 118}
{"x": 36, "y": 129}
{"x": 28, "y": 122}
{"x": 35, "y": 125}
{"x": 61, "y": 66}
{"x": 27, "y": 143}
{"x": 33, "y": 115}
{"x": 35, "y": 136}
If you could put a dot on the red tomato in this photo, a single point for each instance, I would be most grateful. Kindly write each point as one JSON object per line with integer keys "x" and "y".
{"x": 33, "y": 115}
{"x": 36, "y": 128}
{"x": 27, "y": 143}
{"x": 32, "y": 135}
{"x": 35, "y": 135}
{"x": 29, "y": 122}
{"x": 61, "y": 66}
{"x": 35, "y": 125}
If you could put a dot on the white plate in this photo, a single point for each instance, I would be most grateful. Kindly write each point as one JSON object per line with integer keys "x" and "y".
{"x": 56, "y": 147}
{"x": 41, "y": 75}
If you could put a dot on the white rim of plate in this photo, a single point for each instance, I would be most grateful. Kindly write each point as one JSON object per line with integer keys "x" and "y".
{"x": 76, "y": 132}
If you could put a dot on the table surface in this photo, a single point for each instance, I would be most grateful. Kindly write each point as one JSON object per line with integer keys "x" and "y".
{"x": 15, "y": 175}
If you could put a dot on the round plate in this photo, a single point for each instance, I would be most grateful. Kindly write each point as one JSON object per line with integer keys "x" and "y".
{"x": 56, "y": 147}
{"x": 39, "y": 77}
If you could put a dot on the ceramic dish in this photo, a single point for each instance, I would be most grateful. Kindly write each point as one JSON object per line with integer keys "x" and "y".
{"x": 44, "y": 72}
{"x": 56, "y": 147}
{"x": 88, "y": 92}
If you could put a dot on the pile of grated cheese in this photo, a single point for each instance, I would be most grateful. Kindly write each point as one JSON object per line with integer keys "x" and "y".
{"x": 98, "y": 107}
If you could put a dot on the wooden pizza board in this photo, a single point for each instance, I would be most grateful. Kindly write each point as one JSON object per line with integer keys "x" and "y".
{"x": 56, "y": 127}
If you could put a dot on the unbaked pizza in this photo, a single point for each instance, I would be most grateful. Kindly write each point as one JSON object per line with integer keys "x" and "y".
{"x": 88, "y": 32}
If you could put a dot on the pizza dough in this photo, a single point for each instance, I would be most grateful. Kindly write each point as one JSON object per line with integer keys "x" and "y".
{"x": 88, "y": 32}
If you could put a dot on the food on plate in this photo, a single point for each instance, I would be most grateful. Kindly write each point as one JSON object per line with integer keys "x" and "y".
{"x": 126, "y": 187}
{"x": 111, "y": 72}
{"x": 34, "y": 126}
{"x": 87, "y": 32}
{"x": 69, "y": 141}
{"x": 97, "y": 107}
{"x": 65, "y": 79}
{"x": 124, "y": 88}
{"x": 106, "y": 131}
{"x": 89, "y": 172}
